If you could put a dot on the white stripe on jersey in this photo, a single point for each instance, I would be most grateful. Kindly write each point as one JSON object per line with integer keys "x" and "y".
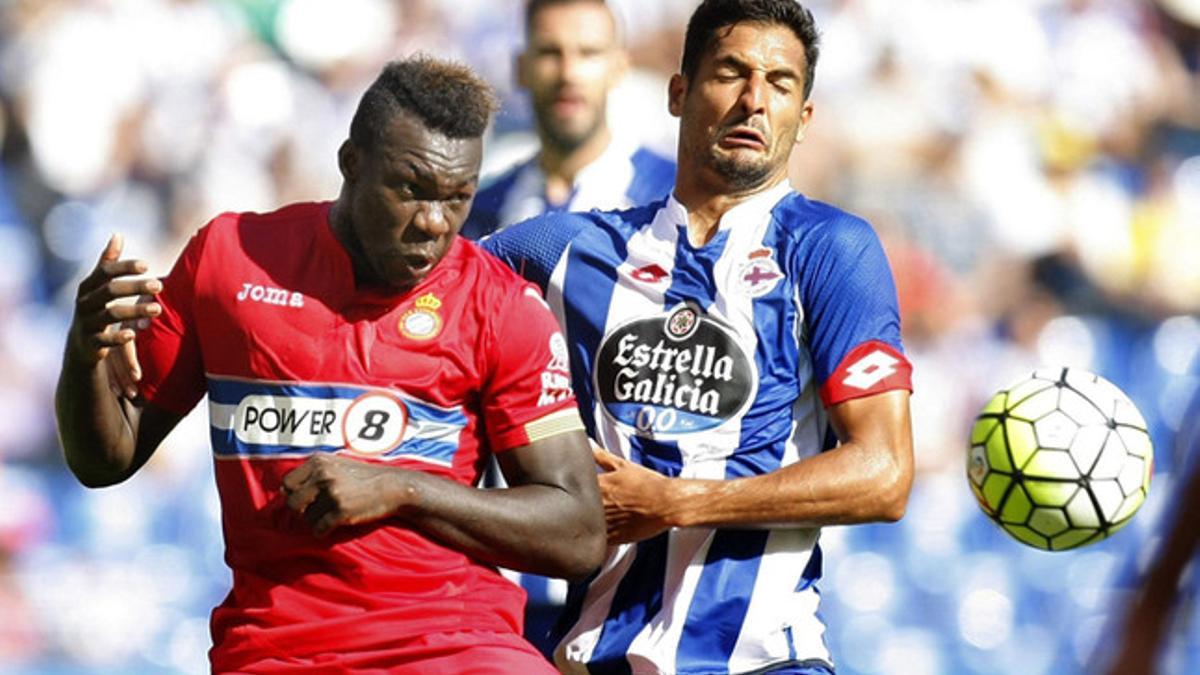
{"x": 776, "y": 626}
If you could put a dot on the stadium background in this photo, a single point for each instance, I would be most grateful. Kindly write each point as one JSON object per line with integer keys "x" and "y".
{"x": 1033, "y": 167}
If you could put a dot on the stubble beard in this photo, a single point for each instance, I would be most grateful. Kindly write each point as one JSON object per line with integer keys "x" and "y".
{"x": 740, "y": 175}
{"x": 566, "y": 141}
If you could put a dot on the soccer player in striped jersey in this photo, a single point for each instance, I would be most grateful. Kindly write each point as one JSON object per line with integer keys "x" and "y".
{"x": 361, "y": 362}
{"x": 571, "y": 62}
{"x": 736, "y": 351}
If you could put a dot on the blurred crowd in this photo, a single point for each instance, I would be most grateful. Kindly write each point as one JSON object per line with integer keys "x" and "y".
{"x": 1033, "y": 167}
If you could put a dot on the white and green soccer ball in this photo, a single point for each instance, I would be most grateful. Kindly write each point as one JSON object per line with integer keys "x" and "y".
{"x": 1060, "y": 459}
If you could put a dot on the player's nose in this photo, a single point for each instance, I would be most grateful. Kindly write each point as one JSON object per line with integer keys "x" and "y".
{"x": 432, "y": 219}
{"x": 753, "y": 96}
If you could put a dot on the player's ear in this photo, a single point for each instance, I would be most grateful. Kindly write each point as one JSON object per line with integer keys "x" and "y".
{"x": 676, "y": 91}
{"x": 348, "y": 159}
{"x": 618, "y": 67}
{"x": 805, "y": 118}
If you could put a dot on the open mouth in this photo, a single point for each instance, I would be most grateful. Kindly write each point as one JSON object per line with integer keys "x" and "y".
{"x": 567, "y": 104}
{"x": 744, "y": 137}
{"x": 417, "y": 262}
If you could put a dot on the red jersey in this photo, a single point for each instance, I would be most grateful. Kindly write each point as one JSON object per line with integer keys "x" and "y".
{"x": 262, "y": 313}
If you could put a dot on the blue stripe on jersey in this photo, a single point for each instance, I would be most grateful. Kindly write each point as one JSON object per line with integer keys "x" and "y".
{"x": 432, "y": 432}
{"x": 637, "y": 599}
{"x": 225, "y": 443}
{"x": 812, "y": 571}
{"x": 714, "y": 621}
{"x": 584, "y": 320}
{"x": 692, "y": 277}
{"x": 726, "y": 585}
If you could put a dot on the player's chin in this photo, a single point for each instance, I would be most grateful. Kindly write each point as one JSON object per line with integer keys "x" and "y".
{"x": 742, "y": 169}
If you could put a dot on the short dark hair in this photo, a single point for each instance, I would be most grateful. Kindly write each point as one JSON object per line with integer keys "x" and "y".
{"x": 713, "y": 15}
{"x": 532, "y": 7}
{"x": 447, "y": 97}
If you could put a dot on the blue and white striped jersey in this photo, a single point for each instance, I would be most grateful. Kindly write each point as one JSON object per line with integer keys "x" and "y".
{"x": 711, "y": 362}
{"x": 624, "y": 176}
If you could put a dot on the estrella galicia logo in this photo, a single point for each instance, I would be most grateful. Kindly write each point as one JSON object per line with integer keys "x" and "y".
{"x": 675, "y": 373}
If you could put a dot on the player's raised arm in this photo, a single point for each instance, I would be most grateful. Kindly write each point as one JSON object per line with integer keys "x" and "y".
{"x": 104, "y": 435}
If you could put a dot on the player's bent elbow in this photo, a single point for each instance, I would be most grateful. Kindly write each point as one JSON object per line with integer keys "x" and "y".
{"x": 581, "y": 554}
{"x": 585, "y": 556}
{"x": 893, "y": 499}
{"x": 89, "y": 477}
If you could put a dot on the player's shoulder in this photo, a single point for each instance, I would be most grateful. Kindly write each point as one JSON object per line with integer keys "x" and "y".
{"x": 558, "y": 229}
{"x": 812, "y": 221}
{"x": 493, "y": 283}
{"x": 489, "y": 201}
{"x": 296, "y": 217}
{"x": 653, "y": 176}
{"x": 648, "y": 162}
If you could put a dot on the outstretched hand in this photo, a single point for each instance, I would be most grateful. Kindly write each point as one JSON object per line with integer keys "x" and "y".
{"x": 331, "y": 491}
{"x": 634, "y": 498}
{"x": 96, "y": 324}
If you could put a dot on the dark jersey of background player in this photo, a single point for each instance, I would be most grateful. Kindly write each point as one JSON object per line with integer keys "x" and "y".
{"x": 361, "y": 360}
{"x": 571, "y": 62}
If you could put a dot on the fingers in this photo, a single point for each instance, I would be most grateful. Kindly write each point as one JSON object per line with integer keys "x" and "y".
{"x": 112, "y": 250}
{"x": 606, "y": 460}
{"x": 301, "y": 499}
{"x": 102, "y": 296}
{"x": 297, "y": 477}
{"x": 123, "y": 370}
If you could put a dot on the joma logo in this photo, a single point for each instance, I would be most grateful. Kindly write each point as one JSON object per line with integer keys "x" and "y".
{"x": 271, "y": 296}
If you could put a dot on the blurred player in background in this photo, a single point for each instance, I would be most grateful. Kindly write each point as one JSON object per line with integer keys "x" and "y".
{"x": 361, "y": 361}
{"x": 572, "y": 61}
{"x": 737, "y": 351}
{"x": 1166, "y": 593}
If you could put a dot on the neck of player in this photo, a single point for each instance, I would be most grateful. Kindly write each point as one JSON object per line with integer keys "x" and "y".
{"x": 561, "y": 165}
{"x": 708, "y": 196}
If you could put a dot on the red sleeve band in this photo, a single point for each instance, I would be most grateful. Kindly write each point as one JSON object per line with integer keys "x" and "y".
{"x": 870, "y": 368}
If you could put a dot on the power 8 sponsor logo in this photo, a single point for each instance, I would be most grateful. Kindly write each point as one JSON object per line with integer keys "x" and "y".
{"x": 671, "y": 374}
{"x": 372, "y": 424}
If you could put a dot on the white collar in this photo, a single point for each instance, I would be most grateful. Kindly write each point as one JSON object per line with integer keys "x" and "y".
{"x": 751, "y": 211}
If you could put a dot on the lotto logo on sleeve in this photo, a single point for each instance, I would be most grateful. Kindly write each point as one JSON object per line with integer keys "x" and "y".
{"x": 269, "y": 419}
{"x": 870, "y": 368}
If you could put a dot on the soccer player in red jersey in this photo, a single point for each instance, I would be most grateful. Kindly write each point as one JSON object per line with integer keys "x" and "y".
{"x": 361, "y": 361}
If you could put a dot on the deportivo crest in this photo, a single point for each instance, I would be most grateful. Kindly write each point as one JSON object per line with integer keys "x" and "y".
{"x": 759, "y": 274}
{"x": 422, "y": 322}
{"x": 676, "y": 373}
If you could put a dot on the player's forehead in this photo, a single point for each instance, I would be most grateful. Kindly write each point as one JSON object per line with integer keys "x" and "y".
{"x": 771, "y": 47}
{"x": 412, "y": 150}
{"x": 580, "y": 23}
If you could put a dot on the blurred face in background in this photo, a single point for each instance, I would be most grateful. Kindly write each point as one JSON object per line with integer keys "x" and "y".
{"x": 744, "y": 109}
{"x": 570, "y": 63}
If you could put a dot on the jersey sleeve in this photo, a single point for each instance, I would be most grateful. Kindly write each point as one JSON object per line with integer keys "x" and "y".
{"x": 852, "y": 317}
{"x": 169, "y": 349}
{"x": 528, "y": 395}
{"x": 532, "y": 248}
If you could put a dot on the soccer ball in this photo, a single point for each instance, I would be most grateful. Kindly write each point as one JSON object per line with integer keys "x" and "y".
{"x": 1060, "y": 459}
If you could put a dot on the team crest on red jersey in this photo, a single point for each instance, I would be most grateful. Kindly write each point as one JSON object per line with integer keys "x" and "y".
{"x": 422, "y": 322}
